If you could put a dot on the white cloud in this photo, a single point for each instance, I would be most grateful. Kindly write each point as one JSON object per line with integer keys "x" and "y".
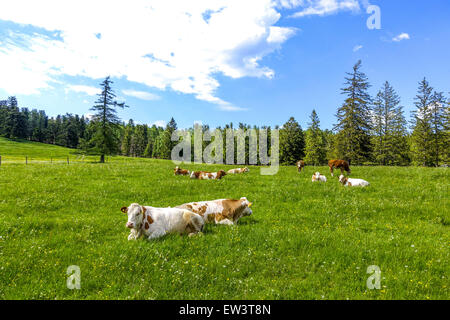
{"x": 357, "y": 48}
{"x": 320, "y": 7}
{"x": 159, "y": 123}
{"x": 141, "y": 95}
{"x": 178, "y": 45}
{"x": 401, "y": 36}
{"x": 91, "y": 91}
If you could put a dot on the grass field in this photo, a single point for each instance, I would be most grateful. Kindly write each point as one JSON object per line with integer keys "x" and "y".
{"x": 304, "y": 240}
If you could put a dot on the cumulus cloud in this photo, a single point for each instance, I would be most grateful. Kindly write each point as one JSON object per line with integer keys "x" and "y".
{"x": 141, "y": 95}
{"x": 178, "y": 45}
{"x": 401, "y": 36}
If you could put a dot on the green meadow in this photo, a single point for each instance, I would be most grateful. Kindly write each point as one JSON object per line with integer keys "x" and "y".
{"x": 304, "y": 240}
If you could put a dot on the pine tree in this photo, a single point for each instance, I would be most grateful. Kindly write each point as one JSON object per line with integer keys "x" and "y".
{"x": 315, "y": 142}
{"x": 105, "y": 140}
{"x": 292, "y": 142}
{"x": 390, "y": 146}
{"x": 126, "y": 140}
{"x": 353, "y": 119}
{"x": 446, "y": 151}
{"x": 437, "y": 107}
{"x": 422, "y": 135}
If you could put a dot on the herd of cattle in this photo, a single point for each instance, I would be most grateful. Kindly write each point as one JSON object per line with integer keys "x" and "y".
{"x": 190, "y": 218}
{"x": 205, "y": 175}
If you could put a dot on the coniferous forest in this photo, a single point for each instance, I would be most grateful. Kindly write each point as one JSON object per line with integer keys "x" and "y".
{"x": 368, "y": 130}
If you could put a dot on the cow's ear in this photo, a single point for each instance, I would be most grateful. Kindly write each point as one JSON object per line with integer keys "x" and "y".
{"x": 124, "y": 209}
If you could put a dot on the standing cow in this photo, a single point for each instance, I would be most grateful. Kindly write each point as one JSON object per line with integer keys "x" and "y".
{"x": 339, "y": 164}
{"x": 300, "y": 165}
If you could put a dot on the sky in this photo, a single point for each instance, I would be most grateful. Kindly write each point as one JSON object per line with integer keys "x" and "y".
{"x": 258, "y": 62}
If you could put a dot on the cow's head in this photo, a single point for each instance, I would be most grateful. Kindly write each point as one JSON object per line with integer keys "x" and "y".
{"x": 136, "y": 214}
{"x": 221, "y": 174}
{"x": 247, "y": 204}
{"x": 343, "y": 179}
{"x": 246, "y": 169}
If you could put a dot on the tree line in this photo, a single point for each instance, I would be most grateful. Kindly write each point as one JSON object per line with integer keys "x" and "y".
{"x": 368, "y": 130}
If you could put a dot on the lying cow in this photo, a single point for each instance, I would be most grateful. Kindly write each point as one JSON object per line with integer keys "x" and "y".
{"x": 349, "y": 182}
{"x": 180, "y": 172}
{"x": 339, "y": 164}
{"x": 300, "y": 165}
{"x": 224, "y": 211}
{"x": 239, "y": 170}
{"x": 318, "y": 177}
{"x": 156, "y": 222}
{"x": 203, "y": 175}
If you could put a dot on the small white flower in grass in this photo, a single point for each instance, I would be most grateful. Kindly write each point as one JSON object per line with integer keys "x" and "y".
{"x": 412, "y": 246}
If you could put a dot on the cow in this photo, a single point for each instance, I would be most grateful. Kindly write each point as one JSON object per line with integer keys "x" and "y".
{"x": 239, "y": 170}
{"x": 180, "y": 172}
{"x": 300, "y": 165}
{"x": 223, "y": 211}
{"x": 339, "y": 164}
{"x": 203, "y": 175}
{"x": 153, "y": 223}
{"x": 318, "y": 177}
{"x": 349, "y": 182}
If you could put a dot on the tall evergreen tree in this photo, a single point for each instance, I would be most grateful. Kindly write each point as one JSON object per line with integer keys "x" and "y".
{"x": 422, "y": 136}
{"x": 315, "y": 142}
{"x": 390, "y": 145}
{"x": 126, "y": 140}
{"x": 353, "y": 118}
{"x": 292, "y": 142}
{"x": 105, "y": 140}
{"x": 438, "y": 109}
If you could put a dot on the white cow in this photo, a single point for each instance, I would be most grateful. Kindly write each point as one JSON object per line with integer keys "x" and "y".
{"x": 350, "y": 182}
{"x": 154, "y": 223}
{"x": 318, "y": 177}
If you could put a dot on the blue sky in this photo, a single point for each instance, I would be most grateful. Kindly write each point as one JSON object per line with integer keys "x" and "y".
{"x": 218, "y": 61}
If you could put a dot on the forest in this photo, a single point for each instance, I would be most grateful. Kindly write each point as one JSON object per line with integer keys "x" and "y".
{"x": 368, "y": 130}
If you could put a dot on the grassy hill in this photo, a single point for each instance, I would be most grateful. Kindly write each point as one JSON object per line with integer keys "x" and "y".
{"x": 304, "y": 240}
{"x": 20, "y": 148}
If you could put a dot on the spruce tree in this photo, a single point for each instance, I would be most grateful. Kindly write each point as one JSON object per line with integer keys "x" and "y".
{"x": 315, "y": 142}
{"x": 353, "y": 119}
{"x": 437, "y": 110}
{"x": 422, "y": 136}
{"x": 126, "y": 140}
{"x": 292, "y": 142}
{"x": 389, "y": 126}
{"x": 105, "y": 140}
{"x": 446, "y": 151}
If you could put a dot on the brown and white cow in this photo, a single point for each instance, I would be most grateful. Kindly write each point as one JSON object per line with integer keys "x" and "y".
{"x": 180, "y": 172}
{"x": 154, "y": 223}
{"x": 203, "y": 175}
{"x": 339, "y": 164}
{"x": 300, "y": 165}
{"x": 223, "y": 211}
{"x": 238, "y": 170}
